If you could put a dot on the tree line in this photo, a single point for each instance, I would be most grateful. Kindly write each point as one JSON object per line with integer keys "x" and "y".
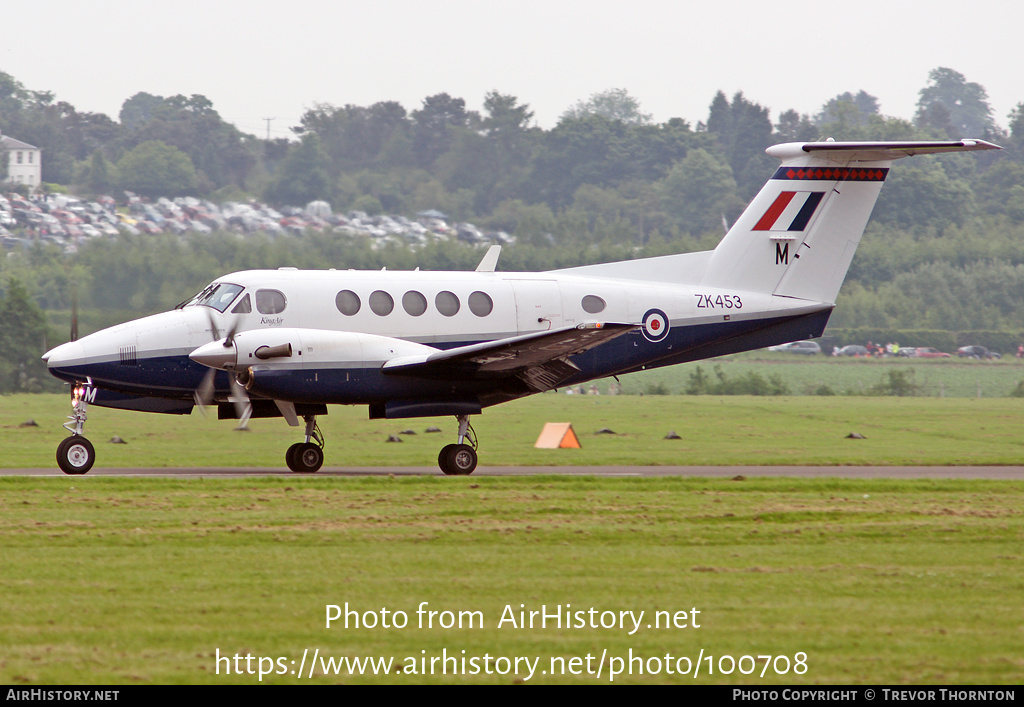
{"x": 619, "y": 174}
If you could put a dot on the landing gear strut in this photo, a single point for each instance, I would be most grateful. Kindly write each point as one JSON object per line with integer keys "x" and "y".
{"x": 307, "y": 457}
{"x": 460, "y": 459}
{"x": 76, "y": 455}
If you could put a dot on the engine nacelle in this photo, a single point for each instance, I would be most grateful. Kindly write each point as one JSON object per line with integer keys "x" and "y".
{"x": 303, "y": 348}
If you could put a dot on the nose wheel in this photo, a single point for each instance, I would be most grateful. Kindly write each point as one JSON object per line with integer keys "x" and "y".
{"x": 75, "y": 455}
{"x": 460, "y": 459}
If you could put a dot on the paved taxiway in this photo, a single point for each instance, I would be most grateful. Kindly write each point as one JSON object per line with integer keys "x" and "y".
{"x": 842, "y": 472}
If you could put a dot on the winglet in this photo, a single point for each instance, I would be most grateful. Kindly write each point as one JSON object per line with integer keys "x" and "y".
{"x": 490, "y": 259}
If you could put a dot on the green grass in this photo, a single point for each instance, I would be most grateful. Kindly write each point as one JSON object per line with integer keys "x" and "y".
{"x": 731, "y": 430}
{"x": 125, "y": 581}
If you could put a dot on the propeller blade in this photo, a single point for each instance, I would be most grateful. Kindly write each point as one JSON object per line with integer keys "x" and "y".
{"x": 213, "y": 325}
{"x": 230, "y": 339}
{"x": 204, "y": 393}
{"x": 243, "y": 408}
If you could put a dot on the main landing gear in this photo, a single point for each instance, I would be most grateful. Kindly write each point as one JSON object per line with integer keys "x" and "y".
{"x": 307, "y": 457}
{"x": 460, "y": 459}
{"x": 76, "y": 455}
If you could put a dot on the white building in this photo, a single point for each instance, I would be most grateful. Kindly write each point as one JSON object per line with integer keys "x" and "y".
{"x": 24, "y": 163}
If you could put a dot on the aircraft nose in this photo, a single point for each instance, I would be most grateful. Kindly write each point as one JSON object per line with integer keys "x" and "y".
{"x": 215, "y": 355}
{"x": 73, "y": 351}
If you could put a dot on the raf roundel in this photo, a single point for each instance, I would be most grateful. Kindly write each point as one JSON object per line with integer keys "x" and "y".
{"x": 656, "y": 325}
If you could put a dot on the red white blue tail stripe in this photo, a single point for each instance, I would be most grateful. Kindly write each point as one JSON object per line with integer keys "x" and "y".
{"x": 791, "y": 211}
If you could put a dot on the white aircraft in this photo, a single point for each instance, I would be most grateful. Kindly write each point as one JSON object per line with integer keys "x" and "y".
{"x": 288, "y": 343}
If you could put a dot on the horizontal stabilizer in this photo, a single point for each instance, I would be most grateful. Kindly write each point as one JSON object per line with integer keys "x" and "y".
{"x": 885, "y": 150}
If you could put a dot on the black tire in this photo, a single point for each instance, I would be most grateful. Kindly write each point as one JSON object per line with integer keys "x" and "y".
{"x": 460, "y": 460}
{"x": 442, "y": 458}
{"x": 289, "y": 456}
{"x": 305, "y": 458}
{"x": 75, "y": 455}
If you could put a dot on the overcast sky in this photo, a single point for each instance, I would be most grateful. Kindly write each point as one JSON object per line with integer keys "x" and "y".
{"x": 257, "y": 59}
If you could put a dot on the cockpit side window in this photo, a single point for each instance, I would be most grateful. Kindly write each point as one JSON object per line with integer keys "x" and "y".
{"x": 219, "y": 296}
{"x": 244, "y": 305}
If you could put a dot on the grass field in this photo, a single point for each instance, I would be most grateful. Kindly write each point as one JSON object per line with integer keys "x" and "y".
{"x": 127, "y": 581}
{"x": 740, "y": 430}
{"x": 136, "y": 581}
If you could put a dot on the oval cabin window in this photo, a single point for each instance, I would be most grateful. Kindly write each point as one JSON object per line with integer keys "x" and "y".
{"x": 381, "y": 303}
{"x": 480, "y": 304}
{"x": 347, "y": 302}
{"x": 593, "y": 304}
{"x": 414, "y": 303}
{"x": 447, "y": 303}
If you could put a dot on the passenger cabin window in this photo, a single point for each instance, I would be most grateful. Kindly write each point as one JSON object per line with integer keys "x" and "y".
{"x": 381, "y": 303}
{"x": 593, "y": 304}
{"x": 270, "y": 302}
{"x": 414, "y": 303}
{"x": 447, "y": 303}
{"x": 480, "y": 304}
{"x": 347, "y": 303}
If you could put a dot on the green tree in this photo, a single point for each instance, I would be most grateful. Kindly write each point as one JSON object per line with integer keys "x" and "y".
{"x": 303, "y": 176}
{"x": 743, "y": 132}
{"x": 794, "y": 127}
{"x": 435, "y": 126}
{"x": 220, "y": 153}
{"x": 138, "y": 110}
{"x": 848, "y": 109}
{"x": 155, "y": 169}
{"x": 700, "y": 191}
{"x": 953, "y": 105}
{"x": 100, "y": 178}
{"x": 921, "y": 194}
{"x": 23, "y": 338}
{"x": 613, "y": 104}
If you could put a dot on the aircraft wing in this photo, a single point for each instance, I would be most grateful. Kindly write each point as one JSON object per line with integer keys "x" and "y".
{"x": 540, "y": 360}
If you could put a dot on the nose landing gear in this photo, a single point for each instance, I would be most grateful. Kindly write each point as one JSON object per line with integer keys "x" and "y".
{"x": 75, "y": 454}
{"x": 460, "y": 459}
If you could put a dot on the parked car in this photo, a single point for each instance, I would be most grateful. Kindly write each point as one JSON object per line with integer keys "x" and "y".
{"x": 929, "y": 352}
{"x": 853, "y": 350}
{"x": 976, "y": 352}
{"x": 807, "y": 348}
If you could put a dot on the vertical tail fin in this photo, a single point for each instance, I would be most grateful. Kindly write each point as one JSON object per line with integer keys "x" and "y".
{"x": 798, "y": 236}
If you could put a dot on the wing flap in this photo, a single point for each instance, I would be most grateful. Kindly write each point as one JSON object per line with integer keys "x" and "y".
{"x": 539, "y": 359}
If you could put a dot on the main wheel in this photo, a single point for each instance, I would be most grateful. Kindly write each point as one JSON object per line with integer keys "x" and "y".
{"x": 304, "y": 458}
{"x": 457, "y": 460}
{"x": 75, "y": 455}
{"x": 289, "y": 455}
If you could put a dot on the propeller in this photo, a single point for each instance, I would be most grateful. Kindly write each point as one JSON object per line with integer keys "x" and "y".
{"x": 203, "y": 395}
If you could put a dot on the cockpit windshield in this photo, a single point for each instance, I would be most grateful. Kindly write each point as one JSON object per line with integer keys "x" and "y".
{"x": 218, "y": 295}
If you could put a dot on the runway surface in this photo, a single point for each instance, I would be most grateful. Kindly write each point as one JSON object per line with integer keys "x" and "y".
{"x": 842, "y": 472}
